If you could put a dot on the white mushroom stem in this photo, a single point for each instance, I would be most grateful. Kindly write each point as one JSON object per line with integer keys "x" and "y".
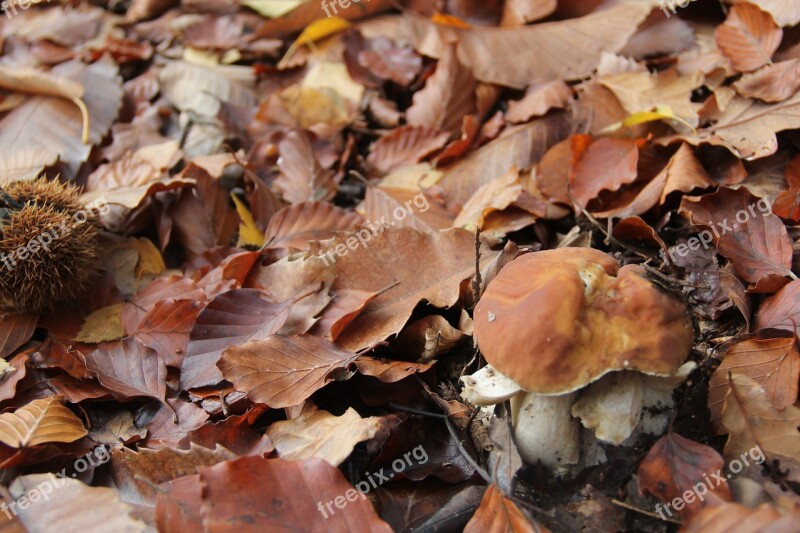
{"x": 613, "y": 405}
{"x": 545, "y": 430}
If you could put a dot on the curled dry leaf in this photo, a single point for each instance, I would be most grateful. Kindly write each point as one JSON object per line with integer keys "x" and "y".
{"x": 46, "y": 129}
{"x": 322, "y": 435}
{"x": 273, "y": 493}
{"x": 40, "y": 422}
{"x": 748, "y": 37}
{"x": 498, "y": 513}
{"x": 496, "y": 195}
{"x": 283, "y": 371}
{"x": 389, "y": 371}
{"x": 606, "y": 164}
{"x": 785, "y": 12}
{"x": 675, "y": 465}
{"x": 15, "y": 330}
{"x": 752, "y": 420}
{"x": 773, "y": 363}
{"x": 448, "y": 96}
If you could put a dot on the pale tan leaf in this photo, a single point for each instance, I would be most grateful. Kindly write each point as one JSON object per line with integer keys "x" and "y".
{"x": 568, "y": 49}
{"x": 752, "y": 420}
{"x": 643, "y": 91}
{"x": 772, "y": 363}
{"x": 521, "y": 12}
{"x": 70, "y": 505}
{"x": 747, "y": 127}
{"x": 404, "y": 146}
{"x": 494, "y": 196}
{"x": 39, "y": 422}
{"x": 773, "y": 83}
{"x": 323, "y": 435}
{"x": 785, "y": 12}
{"x": 294, "y": 226}
{"x": 202, "y": 90}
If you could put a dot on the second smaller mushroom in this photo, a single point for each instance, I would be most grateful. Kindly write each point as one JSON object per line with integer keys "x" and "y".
{"x": 570, "y": 336}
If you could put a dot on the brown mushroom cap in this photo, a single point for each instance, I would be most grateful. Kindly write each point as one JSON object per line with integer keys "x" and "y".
{"x": 557, "y": 320}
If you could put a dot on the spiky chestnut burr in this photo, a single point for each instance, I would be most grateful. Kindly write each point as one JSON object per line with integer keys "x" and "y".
{"x": 48, "y": 245}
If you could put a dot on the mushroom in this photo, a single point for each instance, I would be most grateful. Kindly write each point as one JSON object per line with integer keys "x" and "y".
{"x": 551, "y": 325}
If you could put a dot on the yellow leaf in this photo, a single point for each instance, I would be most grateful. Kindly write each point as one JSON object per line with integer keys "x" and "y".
{"x": 273, "y": 8}
{"x": 449, "y": 20}
{"x": 319, "y": 29}
{"x": 249, "y": 234}
{"x": 200, "y": 58}
{"x": 150, "y": 260}
{"x": 661, "y": 112}
{"x": 103, "y": 325}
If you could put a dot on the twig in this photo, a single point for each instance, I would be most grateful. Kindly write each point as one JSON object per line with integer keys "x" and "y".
{"x": 646, "y": 513}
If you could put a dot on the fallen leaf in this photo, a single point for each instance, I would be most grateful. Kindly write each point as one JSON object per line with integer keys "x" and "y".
{"x": 273, "y": 493}
{"x": 39, "y": 422}
{"x": 322, "y": 435}
{"x": 539, "y": 99}
{"x": 748, "y": 37}
{"x": 773, "y": 363}
{"x": 15, "y": 330}
{"x": 753, "y": 421}
{"x": 773, "y": 83}
{"x": 283, "y": 371}
{"x": 406, "y": 145}
{"x": 675, "y": 465}
{"x": 129, "y": 368}
{"x": 498, "y": 513}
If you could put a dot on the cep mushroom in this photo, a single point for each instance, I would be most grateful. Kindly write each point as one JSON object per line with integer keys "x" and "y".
{"x": 551, "y": 325}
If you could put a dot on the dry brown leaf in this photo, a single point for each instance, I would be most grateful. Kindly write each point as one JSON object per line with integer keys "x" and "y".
{"x": 675, "y": 465}
{"x": 433, "y": 267}
{"x": 772, "y": 363}
{"x": 568, "y": 49}
{"x": 230, "y": 84}
{"x": 15, "y": 330}
{"x": 129, "y": 368}
{"x": 606, "y": 164}
{"x": 752, "y": 420}
{"x": 539, "y": 99}
{"x": 497, "y": 513}
{"x": 747, "y": 127}
{"x": 39, "y": 422}
{"x": 773, "y": 83}
{"x": 748, "y": 37}
{"x": 758, "y": 247}
{"x": 521, "y": 146}
{"x": 322, "y": 435}
{"x": 389, "y": 371}
{"x": 46, "y": 129}
{"x": 283, "y": 371}
{"x": 448, "y": 95}
{"x": 496, "y": 195}
{"x": 273, "y": 494}
{"x": 293, "y": 227}
{"x": 406, "y": 145}
{"x": 302, "y": 178}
